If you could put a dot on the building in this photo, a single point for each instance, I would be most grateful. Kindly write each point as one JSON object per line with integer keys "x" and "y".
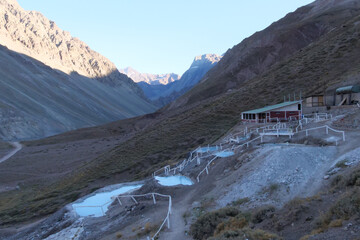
{"x": 278, "y": 112}
{"x": 344, "y": 95}
{"x": 315, "y": 101}
{"x": 347, "y": 95}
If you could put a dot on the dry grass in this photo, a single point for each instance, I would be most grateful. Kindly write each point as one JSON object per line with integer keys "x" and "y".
{"x": 336, "y": 223}
{"x": 246, "y": 234}
{"x": 148, "y": 230}
{"x": 262, "y": 213}
{"x": 240, "y": 201}
{"x": 341, "y": 164}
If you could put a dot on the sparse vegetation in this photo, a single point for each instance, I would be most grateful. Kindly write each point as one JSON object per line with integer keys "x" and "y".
{"x": 231, "y": 223}
{"x": 240, "y": 201}
{"x": 336, "y": 223}
{"x": 341, "y": 164}
{"x": 148, "y": 229}
{"x": 206, "y": 224}
{"x": 246, "y": 234}
{"x": 262, "y": 213}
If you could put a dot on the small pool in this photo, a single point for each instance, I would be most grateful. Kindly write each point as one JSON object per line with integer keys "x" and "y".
{"x": 333, "y": 139}
{"x": 207, "y": 149}
{"x": 174, "y": 180}
{"x": 97, "y": 205}
{"x": 224, "y": 154}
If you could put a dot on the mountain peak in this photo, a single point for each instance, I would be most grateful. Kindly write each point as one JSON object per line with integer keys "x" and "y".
{"x": 152, "y": 79}
{"x": 210, "y": 57}
{"x": 205, "y": 59}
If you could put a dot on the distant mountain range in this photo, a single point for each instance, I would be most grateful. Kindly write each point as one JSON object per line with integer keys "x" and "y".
{"x": 52, "y": 82}
{"x": 152, "y": 79}
{"x": 164, "y": 94}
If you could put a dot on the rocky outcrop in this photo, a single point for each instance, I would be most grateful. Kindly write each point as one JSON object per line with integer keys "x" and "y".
{"x": 152, "y": 79}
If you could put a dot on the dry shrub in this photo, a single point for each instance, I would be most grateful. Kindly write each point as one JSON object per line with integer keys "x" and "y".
{"x": 234, "y": 223}
{"x": 206, "y": 224}
{"x": 336, "y": 223}
{"x": 240, "y": 201}
{"x": 246, "y": 234}
{"x": 148, "y": 229}
{"x": 347, "y": 206}
{"x": 263, "y": 213}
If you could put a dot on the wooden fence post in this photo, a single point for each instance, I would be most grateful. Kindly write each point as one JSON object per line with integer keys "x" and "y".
{"x": 134, "y": 199}
{"x": 153, "y": 195}
{"x": 119, "y": 200}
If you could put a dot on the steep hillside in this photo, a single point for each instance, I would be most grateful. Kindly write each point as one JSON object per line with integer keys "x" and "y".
{"x": 257, "y": 53}
{"x": 163, "y": 95}
{"x": 151, "y": 79}
{"x": 169, "y": 135}
{"x": 52, "y": 82}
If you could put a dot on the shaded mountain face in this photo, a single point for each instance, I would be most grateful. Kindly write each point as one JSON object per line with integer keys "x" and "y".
{"x": 257, "y": 53}
{"x": 52, "y": 82}
{"x": 151, "y": 79}
{"x": 165, "y": 94}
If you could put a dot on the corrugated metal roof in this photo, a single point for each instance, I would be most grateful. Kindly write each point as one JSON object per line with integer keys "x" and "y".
{"x": 272, "y": 107}
{"x": 348, "y": 89}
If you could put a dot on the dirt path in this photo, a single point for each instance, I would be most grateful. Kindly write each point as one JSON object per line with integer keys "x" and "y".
{"x": 17, "y": 147}
{"x": 177, "y": 223}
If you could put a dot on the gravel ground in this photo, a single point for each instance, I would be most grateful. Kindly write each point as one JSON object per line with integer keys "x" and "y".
{"x": 276, "y": 174}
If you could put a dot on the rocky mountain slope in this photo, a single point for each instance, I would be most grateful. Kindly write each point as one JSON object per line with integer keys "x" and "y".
{"x": 142, "y": 145}
{"x": 52, "y": 82}
{"x": 163, "y": 95}
{"x": 151, "y": 79}
{"x": 257, "y": 53}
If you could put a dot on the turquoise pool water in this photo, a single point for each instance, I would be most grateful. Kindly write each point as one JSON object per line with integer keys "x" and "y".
{"x": 224, "y": 154}
{"x": 91, "y": 205}
{"x": 174, "y": 180}
{"x": 207, "y": 149}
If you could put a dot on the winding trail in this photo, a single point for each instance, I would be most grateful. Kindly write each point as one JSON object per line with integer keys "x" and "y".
{"x": 17, "y": 147}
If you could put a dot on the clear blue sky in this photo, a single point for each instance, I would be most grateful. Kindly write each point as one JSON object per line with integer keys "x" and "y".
{"x": 161, "y": 36}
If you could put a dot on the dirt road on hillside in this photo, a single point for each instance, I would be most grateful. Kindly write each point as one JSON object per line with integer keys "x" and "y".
{"x": 17, "y": 147}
